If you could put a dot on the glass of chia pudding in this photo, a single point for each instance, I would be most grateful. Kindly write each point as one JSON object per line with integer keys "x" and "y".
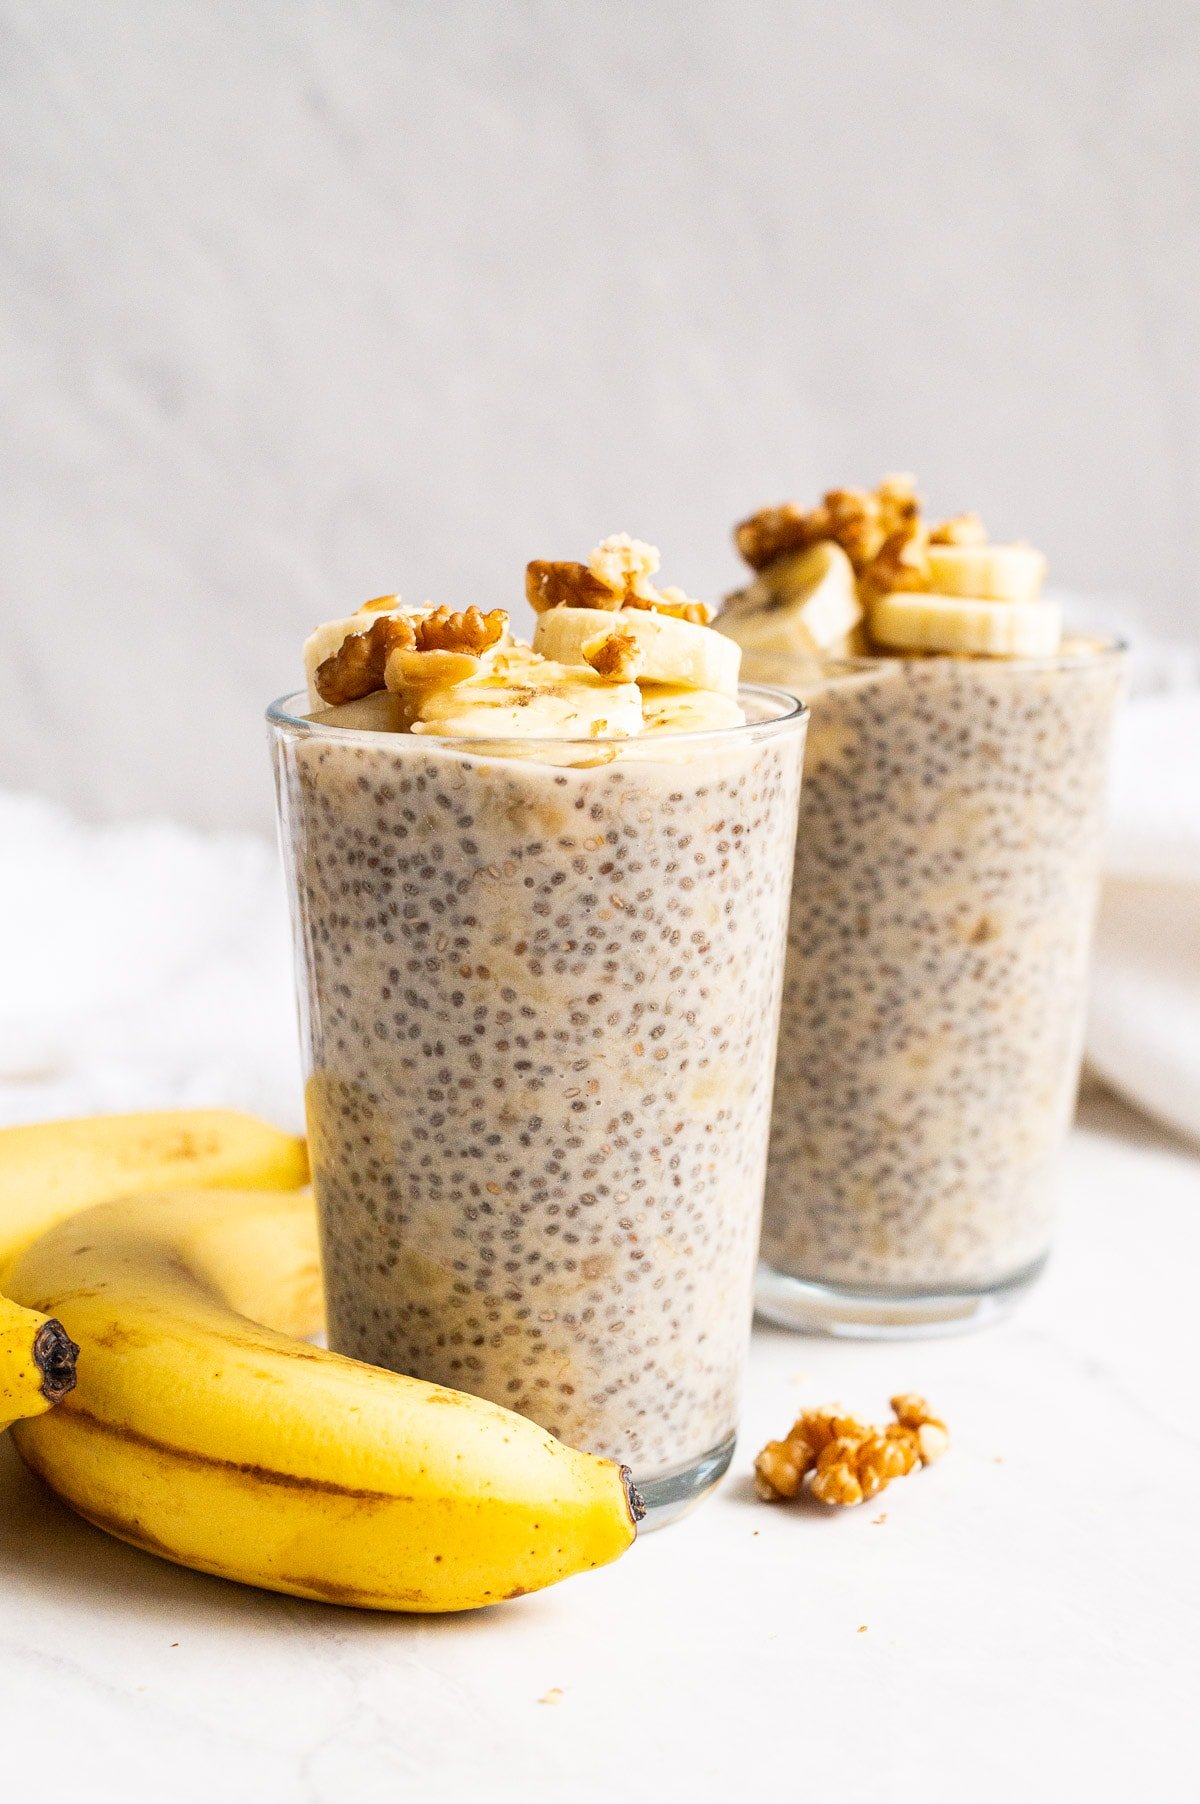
{"x": 540, "y": 900}
{"x": 942, "y": 908}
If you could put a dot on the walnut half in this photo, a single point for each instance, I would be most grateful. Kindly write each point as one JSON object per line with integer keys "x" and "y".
{"x": 357, "y": 666}
{"x": 566, "y": 585}
{"x": 616, "y": 575}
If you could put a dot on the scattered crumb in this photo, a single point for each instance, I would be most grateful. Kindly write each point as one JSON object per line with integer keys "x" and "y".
{"x": 553, "y": 1696}
{"x": 862, "y": 1628}
{"x": 998, "y": 1460}
{"x": 174, "y": 1644}
{"x": 878, "y": 1521}
{"x": 756, "y": 1531}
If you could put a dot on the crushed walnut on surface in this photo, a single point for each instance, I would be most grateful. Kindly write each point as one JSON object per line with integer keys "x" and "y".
{"x": 847, "y": 1461}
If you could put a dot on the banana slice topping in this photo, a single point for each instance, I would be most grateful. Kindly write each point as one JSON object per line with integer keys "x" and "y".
{"x": 672, "y": 650}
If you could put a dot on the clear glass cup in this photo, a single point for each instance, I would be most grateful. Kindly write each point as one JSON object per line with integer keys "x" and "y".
{"x": 539, "y": 991}
{"x": 935, "y": 990}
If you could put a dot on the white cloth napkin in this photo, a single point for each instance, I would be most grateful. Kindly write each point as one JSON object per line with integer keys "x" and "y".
{"x": 144, "y": 966}
{"x": 1144, "y": 1026}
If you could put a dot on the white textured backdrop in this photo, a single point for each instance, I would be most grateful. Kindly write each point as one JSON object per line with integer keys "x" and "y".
{"x": 305, "y": 301}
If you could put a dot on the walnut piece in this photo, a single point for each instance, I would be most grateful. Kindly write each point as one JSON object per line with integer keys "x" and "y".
{"x": 615, "y": 656}
{"x": 616, "y": 575}
{"x": 357, "y": 666}
{"x": 674, "y": 602}
{"x": 880, "y": 530}
{"x": 771, "y": 532}
{"x": 849, "y": 1461}
{"x": 963, "y": 529}
{"x": 471, "y": 631}
{"x": 902, "y": 562}
{"x": 566, "y": 585}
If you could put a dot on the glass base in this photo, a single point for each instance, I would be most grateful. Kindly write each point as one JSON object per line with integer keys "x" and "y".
{"x": 857, "y": 1314}
{"x": 670, "y": 1495}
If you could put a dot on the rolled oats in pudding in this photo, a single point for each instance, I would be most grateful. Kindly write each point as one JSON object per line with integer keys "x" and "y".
{"x": 943, "y": 894}
{"x": 540, "y": 898}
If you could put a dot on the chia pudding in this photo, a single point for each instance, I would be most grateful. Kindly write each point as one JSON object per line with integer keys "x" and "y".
{"x": 936, "y": 976}
{"x": 540, "y": 985}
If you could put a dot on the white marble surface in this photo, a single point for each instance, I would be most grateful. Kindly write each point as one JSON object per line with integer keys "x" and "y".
{"x": 1023, "y": 1625}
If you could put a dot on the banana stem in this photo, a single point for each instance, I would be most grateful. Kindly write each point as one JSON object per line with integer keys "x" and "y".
{"x": 54, "y": 1355}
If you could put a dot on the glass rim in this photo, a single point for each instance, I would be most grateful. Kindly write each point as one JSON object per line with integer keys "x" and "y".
{"x": 1104, "y": 649}
{"x": 793, "y": 713}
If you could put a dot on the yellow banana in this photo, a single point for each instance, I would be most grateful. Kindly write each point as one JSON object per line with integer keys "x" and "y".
{"x": 37, "y": 1362}
{"x": 987, "y": 572}
{"x": 916, "y": 621}
{"x": 54, "y": 1168}
{"x": 227, "y": 1446}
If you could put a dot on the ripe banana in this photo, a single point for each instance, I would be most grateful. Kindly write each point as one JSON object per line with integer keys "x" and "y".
{"x": 987, "y": 572}
{"x": 909, "y": 621}
{"x": 37, "y": 1362}
{"x": 804, "y": 604}
{"x": 200, "y": 1436}
{"x": 673, "y": 651}
{"x": 55, "y": 1168}
{"x": 532, "y": 698}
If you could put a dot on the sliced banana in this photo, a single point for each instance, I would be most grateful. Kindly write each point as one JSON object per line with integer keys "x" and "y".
{"x": 673, "y": 651}
{"x": 671, "y": 708}
{"x": 378, "y": 713}
{"x": 802, "y": 604}
{"x": 948, "y": 623}
{"x": 987, "y": 572}
{"x": 530, "y": 698}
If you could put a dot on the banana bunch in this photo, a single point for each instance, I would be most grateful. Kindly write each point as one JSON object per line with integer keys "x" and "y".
{"x": 203, "y": 1430}
{"x": 51, "y": 1169}
{"x": 202, "y": 1427}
